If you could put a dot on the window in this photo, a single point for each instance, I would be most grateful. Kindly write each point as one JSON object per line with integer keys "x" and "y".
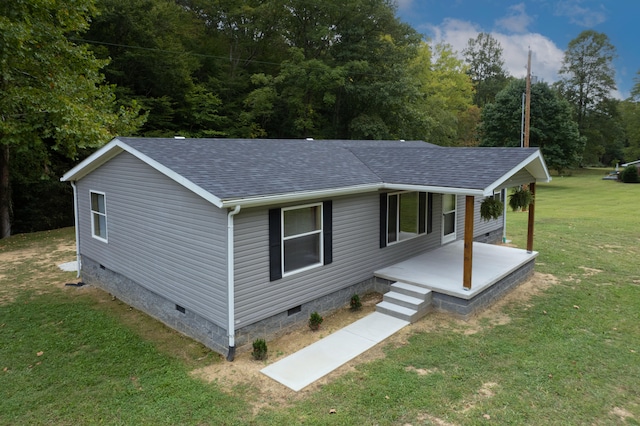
{"x": 98, "y": 216}
{"x": 449, "y": 217}
{"x": 404, "y": 215}
{"x": 300, "y": 238}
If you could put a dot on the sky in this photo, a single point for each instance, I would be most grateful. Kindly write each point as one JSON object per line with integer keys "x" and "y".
{"x": 545, "y": 26}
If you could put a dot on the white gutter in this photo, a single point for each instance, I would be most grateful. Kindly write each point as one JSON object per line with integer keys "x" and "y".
{"x": 231, "y": 329}
{"x": 357, "y": 189}
{"x": 75, "y": 222}
{"x": 436, "y": 189}
{"x": 299, "y": 196}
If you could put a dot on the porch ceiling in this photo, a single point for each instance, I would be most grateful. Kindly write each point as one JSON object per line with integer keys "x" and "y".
{"x": 441, "y": 270}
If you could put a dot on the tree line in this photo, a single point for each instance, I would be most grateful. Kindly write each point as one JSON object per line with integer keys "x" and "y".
{"x": 73, "y": 74}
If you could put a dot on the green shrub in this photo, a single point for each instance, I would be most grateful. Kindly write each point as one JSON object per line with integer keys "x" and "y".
{"x": 315, "y": 319}
{"x": 259, "y": 349}
{"x": 355, "y": 302}
{"x": 629, "y": 174}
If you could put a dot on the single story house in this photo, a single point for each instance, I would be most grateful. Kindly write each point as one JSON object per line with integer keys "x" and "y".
{"x": 228, "y": 240}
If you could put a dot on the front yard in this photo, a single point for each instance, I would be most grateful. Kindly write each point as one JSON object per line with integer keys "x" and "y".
{"x": 563, "y": 348}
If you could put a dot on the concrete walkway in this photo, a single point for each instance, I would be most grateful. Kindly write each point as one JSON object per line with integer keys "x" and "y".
{"x": 322, "y": 357}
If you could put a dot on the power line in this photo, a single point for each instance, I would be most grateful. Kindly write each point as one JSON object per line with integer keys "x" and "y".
{"x": 203, "y": 55}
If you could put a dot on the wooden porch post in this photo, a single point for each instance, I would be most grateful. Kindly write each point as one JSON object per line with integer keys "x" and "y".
{"x": 468, "y": 241}
{"x": 532, "y": 188}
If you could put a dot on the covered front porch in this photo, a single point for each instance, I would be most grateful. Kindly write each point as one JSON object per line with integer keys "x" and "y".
{"x": 495, "y": 269}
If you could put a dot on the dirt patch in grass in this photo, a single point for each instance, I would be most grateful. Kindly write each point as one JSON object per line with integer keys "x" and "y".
{"x": 244, "y": 372}
{"x": 35, "y": 269}
{"x": 621, "y": 414}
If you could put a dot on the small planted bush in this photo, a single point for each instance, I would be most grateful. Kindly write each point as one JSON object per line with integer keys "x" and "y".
{"x": 315, "y": 319}
{"x": 259, "y": 350}
{"x": 630, "y": 174}
{"x": 355, "y": 303}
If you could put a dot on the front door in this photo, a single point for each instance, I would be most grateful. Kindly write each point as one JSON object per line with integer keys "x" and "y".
{"x": 448, "y": 218}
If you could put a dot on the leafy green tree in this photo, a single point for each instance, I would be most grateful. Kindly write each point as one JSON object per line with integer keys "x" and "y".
{"x": 52, "y": 97}
{"x": 345, "y": 74}
{"x": 635, "y": 91}
{"x": 235, "y": 40}
{"x": 604, "y": 135}
{"x": 552, "y": 126}
{"x": 486, "y": 67}
{"x": 149, "y": 62}
{"x": 629, "y": 111}
{"x": 445, "y": 94}
{"x": 587, "y": 76}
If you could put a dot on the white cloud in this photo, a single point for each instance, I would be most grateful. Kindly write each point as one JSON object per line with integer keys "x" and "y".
{"x": 546, "y": 57}
{"x": 404, "y": 4}
{"x": 580, "y": 15}
{"x": 517, "y": 21}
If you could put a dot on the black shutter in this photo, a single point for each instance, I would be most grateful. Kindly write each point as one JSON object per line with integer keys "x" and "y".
{"x": 275, "y": 240}
{"x": 327, "y": 229}
{"x": 429, "y": 213}
{"x": 422, "y": 212}
{"x": 383, "y": 220}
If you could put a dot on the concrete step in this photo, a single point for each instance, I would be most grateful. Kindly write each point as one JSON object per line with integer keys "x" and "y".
{"x": 397, "y": 311}
{"x": 403, "y": 300}
{"x": 406, "y": 301}
{"x": 411, "y": 290}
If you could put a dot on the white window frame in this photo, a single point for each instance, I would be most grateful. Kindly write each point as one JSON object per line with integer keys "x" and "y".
{"x": 398, "y": 240}
{"x": 95, "y": 213}
{"x": 452, "y": 236}
{"x": 320, "y": 233}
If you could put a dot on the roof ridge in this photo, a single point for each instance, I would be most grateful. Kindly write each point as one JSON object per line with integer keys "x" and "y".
{"x": 350, "y": 149}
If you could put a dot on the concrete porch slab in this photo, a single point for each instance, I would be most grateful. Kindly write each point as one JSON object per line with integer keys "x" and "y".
{"x": 319, "y": 359}
{"x": 441, "y": 270}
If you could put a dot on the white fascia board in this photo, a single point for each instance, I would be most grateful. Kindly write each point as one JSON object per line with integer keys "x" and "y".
{"x": 94, "y": 161}
{"x": 436, "y": 189}
{"x": 299, "y": 196}
{"x": 349, "y": 190}
{"x": 534, "y": 164}
{"x": 114, "y": 148}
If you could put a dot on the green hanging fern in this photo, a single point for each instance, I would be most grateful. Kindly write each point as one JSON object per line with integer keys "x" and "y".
{"x": 491, "y": 208}
{"x": 520, "y": 198}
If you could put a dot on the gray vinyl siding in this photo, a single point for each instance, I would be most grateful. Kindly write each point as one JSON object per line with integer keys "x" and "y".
{"x": 356, "y": 255}
{"x": 481, "y": 226}
{"x": 160, "y": 235}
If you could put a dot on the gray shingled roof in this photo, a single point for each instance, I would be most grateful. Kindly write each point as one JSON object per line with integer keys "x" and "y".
{"x": 240, "y": 168}
{"x": 471, "y": 168}
{"x": 231, "y": 169}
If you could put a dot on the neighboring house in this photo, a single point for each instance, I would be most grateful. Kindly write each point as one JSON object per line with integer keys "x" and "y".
{"x": 633, "y": 163}
{"x": 227, "y": 240}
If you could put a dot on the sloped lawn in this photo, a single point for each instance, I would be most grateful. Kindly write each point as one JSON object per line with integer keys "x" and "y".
{"x": 569, "y": 354}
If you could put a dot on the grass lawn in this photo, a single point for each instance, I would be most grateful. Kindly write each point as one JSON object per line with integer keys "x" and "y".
{"x": 570, "y": 355}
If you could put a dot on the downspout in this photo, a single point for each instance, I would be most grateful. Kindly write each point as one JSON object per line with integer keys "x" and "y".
{"x": 230, "y": 283}
{"x": 503, "y": 196}
{"x": 75, "y": 222}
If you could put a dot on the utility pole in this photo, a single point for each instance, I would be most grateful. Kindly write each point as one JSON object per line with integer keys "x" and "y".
{"x": 527, "y": 109}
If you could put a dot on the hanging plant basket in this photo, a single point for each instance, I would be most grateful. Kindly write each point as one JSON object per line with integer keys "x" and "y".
{"x": 520, "y": 199}
{"x": 491, "y": 208}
